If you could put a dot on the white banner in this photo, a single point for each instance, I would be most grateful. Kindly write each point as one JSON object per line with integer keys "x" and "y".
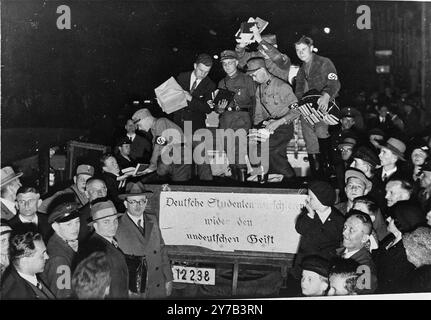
{"x": 231, "y": 221}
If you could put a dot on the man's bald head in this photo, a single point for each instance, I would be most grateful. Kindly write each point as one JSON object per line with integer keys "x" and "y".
{"x": 95, "y": 189}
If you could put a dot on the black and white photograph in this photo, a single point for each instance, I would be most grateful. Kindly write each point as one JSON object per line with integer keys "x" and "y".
{"x": 198, "y": 150}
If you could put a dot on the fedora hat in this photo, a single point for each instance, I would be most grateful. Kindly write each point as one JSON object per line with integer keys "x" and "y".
{"x": 135, "y": 189}
{"x": 8, "y": 175}
{"x": 103, "y": 210}
{"x": 396, "y": 146}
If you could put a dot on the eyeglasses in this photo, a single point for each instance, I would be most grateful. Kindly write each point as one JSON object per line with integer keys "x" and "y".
{"x": 28, "y": 202}
{"x": 134, "y": 202}
{"x": 228, "y": 63}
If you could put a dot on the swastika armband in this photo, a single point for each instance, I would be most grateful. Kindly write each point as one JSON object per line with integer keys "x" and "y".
{"x": 161, "y": 141}
{"x": 332, "y": 76}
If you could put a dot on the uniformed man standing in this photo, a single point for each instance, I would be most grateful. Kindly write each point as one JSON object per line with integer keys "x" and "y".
{"x": 165, "y": 133}
{"x": 237, "y": 114}
{"x": 274, "y": 98}
{"x": 318, "y": 73}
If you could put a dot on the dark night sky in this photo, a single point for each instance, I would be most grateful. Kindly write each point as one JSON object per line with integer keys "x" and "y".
{"x": 117, "y": 50}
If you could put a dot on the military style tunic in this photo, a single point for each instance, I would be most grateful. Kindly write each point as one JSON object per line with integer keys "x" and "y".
{"x": 273, "y": 100}
{"x": 319, "y": 74}
{"x": 244, "y": 100}
{"x": 165, "y": 132}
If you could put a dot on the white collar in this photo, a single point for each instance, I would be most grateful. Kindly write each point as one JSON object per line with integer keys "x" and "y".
{"x": 9, "y": 204}
{"x": 32, "y": 279}
{"x": 107, "y": 239}
{"x": 324, "y": 214}
{"x": 135, "y": 219}
{"x": 388, "y": 173}
{"x": 192, "y": 80}
{"x": 349, "y": 254}
{"x": 132, "y": 136}
{"x": 24, "y": 220}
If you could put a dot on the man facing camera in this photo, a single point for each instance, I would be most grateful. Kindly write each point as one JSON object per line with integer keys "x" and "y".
{"x": 28, "y": 257}
{"x": 104, "y": 218}
{"x": 140, "y": 239}
{"x": 28, "y": 201}
{"x": 356, "y": 235}
{"x": 62, "y": 248}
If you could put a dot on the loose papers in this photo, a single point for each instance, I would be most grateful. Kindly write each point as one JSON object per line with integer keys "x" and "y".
{"x": 170, "y": 96}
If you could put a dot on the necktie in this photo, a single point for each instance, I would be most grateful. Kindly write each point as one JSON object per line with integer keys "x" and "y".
{"x": 45, "y": 291}
{"x": 195, "y": 84}
{"x": 384, "y": 176}
{"x": 114, "y": 242}
{"x": 141, "y": 229}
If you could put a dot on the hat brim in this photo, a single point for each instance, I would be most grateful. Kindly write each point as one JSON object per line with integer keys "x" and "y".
{"x": 144, "y": 193}
{"x": 393, "y": 149}
{"x": 75, "y": 214}
{"x": 252, "y": 70}
{"x": 355, "y": 174}
{"x": 228, "y": 58}
{"x": 10, "y": 179}
{"x": 346, "y": 144}
{"x": 90, "y": 221}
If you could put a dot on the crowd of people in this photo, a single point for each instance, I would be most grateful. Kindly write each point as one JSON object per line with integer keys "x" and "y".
{"x": 365, "y": 227}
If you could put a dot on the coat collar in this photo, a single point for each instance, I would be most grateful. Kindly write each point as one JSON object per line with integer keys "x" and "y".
{"x": 148, "y": 225}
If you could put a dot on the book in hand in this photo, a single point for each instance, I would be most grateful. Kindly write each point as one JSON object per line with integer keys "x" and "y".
{"x": 261, "y": 24}
{"x": 136, "y": 171}
{"x": 140, "y": 168}
{"x": 224, "y": 94}
{"x": 244, "y": 34}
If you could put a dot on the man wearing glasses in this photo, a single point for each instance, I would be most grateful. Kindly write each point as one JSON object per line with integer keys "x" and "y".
{"x": 28, "y": 200}
{"x": 139, "y": 237}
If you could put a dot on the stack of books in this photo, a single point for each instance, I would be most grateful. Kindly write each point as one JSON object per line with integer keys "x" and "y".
{"x": 245, "y": 34}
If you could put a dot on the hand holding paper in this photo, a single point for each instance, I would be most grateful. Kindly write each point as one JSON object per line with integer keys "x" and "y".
{"x": 170, "y": 96}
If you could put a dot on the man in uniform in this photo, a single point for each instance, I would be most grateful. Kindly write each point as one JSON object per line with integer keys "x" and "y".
{"x": 318, "y": 73}
{"x": 165, "y": 134}
{"x": 62, "y": 248}
{"x": 237, "y": 114}
{"x": 83, "y": 173}
{"x": 273, "y": 100}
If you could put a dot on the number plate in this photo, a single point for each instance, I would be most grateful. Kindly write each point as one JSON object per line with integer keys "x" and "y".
{"x": 193, "y": 275}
